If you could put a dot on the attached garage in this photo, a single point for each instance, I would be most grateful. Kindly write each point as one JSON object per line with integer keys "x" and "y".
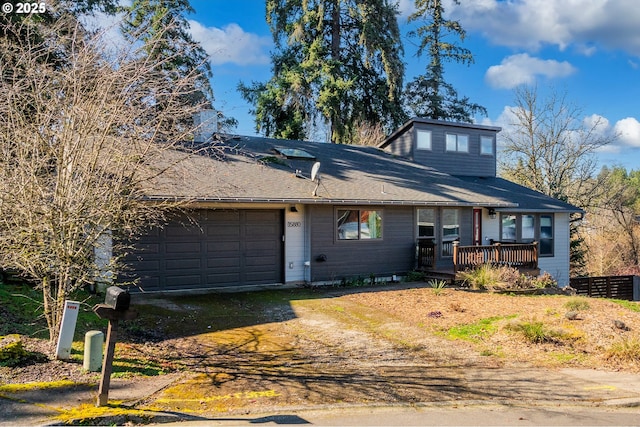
{"x": 211, "y": 249}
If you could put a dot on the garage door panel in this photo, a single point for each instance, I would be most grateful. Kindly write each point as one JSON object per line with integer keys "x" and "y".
{"x": 222, "y": 247}
{"x": 183, "y": 248}
{"x": 183, "y": 280}
{"x": 223, "y": 279}
{"x": 182, "y": 232}
{"x": 183, "y": 264}
{"x": 224, "y": 231}
{"x": 260, "y": 261}
{"x": 223, "y": 262}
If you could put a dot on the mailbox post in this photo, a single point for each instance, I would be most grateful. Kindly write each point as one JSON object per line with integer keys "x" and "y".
{"x": 114, "y": 309}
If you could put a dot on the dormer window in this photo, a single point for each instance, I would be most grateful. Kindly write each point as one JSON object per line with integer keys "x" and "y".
{"x": 486, "y": 145}
{"x": 423, "y": 139}
{"x": 457, "y": 142}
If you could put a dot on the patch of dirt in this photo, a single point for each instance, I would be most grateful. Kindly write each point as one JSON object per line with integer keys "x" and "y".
{"x": 351, "y": 346}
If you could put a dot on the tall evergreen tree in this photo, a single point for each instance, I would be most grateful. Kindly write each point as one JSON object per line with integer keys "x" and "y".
{"x": 429, "y": 95}
{"x": 162, "y": 26}
{"x": 337, "y": 59}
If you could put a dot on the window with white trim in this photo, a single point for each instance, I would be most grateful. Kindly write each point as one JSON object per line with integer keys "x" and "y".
{"x": 457, "y": 142}
{"x": 450, "y": 230}
{"x": 423, "y": 139}
{"x": 427, "y": 223}
{"x": 486, "y": 145}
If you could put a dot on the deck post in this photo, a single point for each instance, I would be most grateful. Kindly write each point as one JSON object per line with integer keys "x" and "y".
{"x": 535, "y": 252}
{"x": 455, "y": 256}
{"x": 498, "y": 252}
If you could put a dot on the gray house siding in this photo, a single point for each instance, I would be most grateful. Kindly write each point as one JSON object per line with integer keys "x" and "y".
{"x": 456, "y": 163}
{"x": 392, "y": 254}
{"x": 471, "y": 162}
{"x": 403, "y": 146}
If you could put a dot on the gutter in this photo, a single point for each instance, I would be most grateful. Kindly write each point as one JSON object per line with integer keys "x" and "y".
{"x": 325, "y": 201}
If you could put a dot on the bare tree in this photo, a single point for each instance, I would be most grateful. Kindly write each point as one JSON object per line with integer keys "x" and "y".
{"x": 80, "y": 140}
{"x": 550, "y": 148}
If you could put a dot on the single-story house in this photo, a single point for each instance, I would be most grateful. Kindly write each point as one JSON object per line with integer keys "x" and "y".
{"x": 272, "y": 211}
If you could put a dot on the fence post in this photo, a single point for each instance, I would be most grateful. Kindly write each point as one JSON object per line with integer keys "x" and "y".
{"x": 455, "y": 256}
{"x": 636, "y": 288}
{"x": 498, "y": 252}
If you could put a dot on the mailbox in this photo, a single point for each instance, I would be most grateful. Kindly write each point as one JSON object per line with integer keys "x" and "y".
{"x": 117, "y": 298}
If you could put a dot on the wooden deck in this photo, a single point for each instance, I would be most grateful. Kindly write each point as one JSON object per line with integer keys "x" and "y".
{"x": 523, "y": 256}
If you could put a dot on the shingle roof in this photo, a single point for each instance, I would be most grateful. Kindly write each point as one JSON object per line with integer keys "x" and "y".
{"x": 251, "y": 170}
{"x": 527, "y": 199}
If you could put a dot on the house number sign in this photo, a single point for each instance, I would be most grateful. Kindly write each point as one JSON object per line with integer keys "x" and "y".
{"x": 294, "y": 224}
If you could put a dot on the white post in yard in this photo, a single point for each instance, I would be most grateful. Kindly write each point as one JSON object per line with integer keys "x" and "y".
{"x": 67, "y": 329}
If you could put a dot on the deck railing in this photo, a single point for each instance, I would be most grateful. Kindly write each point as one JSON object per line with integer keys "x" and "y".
{"x": 518, "y": 255}
{"x": 426, "y": 255}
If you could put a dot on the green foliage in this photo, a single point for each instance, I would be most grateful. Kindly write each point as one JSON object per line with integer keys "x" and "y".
{"x": 503, "y": 278}
{"x": 414, "y": 276}
{"x": 437, "y": 286}
{"x": 429, "y": 95}
{"x": 630, "y": 305}
{"x": 475, "y": 331}
{"x": 535, "y": 332}
{"x": 12, "y": 352}
{"x": 335, "y": 60}
{"x": 164, "y": 29}
{"x": 577, "y": 304}
{"x": 625, "y": 350}
{"x": 489, "y": 277}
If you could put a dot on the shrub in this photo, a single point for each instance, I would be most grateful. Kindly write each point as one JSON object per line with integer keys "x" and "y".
{"x": 414, "y": 276}
{"x": 438, "y": 286}
{"x": 489, "y": 277}
{"x": 627, "y": 350}
{"x": 577, "y": 304}
{"x": 535, "y": 332}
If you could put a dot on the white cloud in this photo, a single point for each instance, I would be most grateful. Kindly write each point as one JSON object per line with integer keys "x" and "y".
{"x": 522, "y": 69}
{"x": 531, "y": 24}
{"x": 629, "y": 131}
{"x": 231, "y": 44}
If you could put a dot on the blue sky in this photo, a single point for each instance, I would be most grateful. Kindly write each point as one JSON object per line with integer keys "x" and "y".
{"x": 588, "y": 48}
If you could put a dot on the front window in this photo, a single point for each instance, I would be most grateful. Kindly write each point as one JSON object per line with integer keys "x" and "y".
{"x": 526, "y": 228}
{"x": 426, "y": 223}
{"x": 450, "y": 230}
{"x": 456, "y": 142}
{"x": 546, "y": 235}
{"x": 508, "y": 228}
{"x": 356, "y": 224}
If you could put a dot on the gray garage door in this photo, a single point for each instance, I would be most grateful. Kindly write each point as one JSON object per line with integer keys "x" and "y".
{"x": 209, "y": 249}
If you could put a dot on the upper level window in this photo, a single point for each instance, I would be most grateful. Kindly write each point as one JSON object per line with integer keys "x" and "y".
{"x": 423, "y": 139}
{"x": 457, "y": 142}
{"x": 486, "y": 145}
{"x": 355, "y": 224}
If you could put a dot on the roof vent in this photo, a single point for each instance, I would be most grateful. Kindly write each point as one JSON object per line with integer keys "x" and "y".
{"x": 206, "y": 124}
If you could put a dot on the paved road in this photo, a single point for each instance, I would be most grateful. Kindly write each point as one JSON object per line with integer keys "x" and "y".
{"x": 491, "y": 415}
{"x": 575, "y": 397}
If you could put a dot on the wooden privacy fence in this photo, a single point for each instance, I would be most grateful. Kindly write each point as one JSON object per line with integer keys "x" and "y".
{"x": 618, "y": 287}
